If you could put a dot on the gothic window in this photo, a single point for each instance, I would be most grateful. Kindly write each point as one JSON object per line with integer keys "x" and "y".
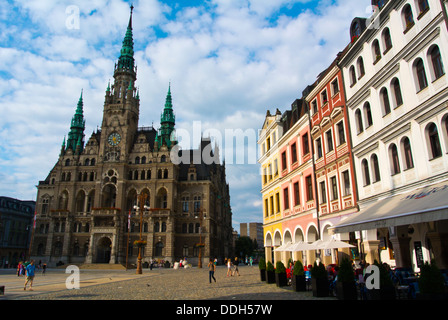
{"x": 45, "y": 204}
{"x": 165, "y": 174}
{"x": 92, "y": 162}
{"x": 159, "y": 174}
{"x": 163, "y": 227}
{"x": 135, "y": 175}
{"x": 142, "y": 175}
{"x": 197, "y": 203}
{"x": 137, "y": 160}
{"x": 148, "y": 174}
{"x": 163, "y": 158}
{"x": 67, "y": 162}
{"x": 159, "y": 249}
{"x": 156, "y": 226}
{"x": 87, "y": 162}
{"x": 185, "y": 201}
{"x": 143, "y": 161}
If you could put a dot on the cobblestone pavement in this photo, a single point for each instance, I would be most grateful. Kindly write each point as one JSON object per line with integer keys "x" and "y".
{"x": 156, "y": 284}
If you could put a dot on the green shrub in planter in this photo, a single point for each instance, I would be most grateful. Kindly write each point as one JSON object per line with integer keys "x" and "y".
{"x": 270, "y": 273}
{"x": 319, "y": 280}
{"x": 280, "y": 274}
{"x": 431, "y": 282}
{"x": 345, "y": 285}
{"x": 262, "y": 267}
{"x": 298, "y": 277}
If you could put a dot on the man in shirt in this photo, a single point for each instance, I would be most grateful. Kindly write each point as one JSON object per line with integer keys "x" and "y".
{"x": 30, "y": 269}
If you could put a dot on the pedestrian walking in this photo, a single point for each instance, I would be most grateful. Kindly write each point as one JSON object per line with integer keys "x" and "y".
{"x": 19, "y": 269}
{"x": 44, "y": 268}
{"x": 211, "y": 271}
{"x": 229, "y": 267}
{"x": 30, "y": 269}
{"x": 235, "y": 267}
{"x": 251, "y": 260}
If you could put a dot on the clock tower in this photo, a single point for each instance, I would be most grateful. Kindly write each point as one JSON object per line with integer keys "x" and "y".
{"x": 121, "y": 106}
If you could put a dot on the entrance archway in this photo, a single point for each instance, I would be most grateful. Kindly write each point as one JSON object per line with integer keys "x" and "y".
{"x": 103, "y": 250}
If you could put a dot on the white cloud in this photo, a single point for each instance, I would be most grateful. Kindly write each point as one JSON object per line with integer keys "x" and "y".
{"x": 227, "y": 60}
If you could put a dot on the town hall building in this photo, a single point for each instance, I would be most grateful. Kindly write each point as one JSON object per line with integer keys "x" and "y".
{"x": 88, "y": 208}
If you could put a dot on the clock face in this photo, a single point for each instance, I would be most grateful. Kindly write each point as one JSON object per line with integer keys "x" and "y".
{"x": 114, "y": 139}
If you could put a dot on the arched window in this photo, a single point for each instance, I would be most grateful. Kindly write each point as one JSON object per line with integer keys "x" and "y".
{"x": 159, "y": 249}
{"x": 407, "y": 153}
{"x": 434, "y": 141}
{"x": 368, "y": 114}
{"x": 385, "y": 101}
{"x": 165, "y": 174}
{"x": 376, "y": 168}
{"x": 394, "y": 162}
{"x": 423, "y": 6}
{"x": 408, "y": 17}
{"x": 87, "y": 162}
{"x": 365, "y": 172}
{"x": 359, "y": 126}
{"x": 376, "y": 51}
{"x": 387, "y": 41}
{"x": 352, "y": 76}
{"x": 396, "y": 90}
{"x": 137, "y": 160}
{"x": 163, "y": 158}
{"x": 143, "y": 161}
{"x": 361, "y": 70}
{"x": 156, "y": 226}
{"x": 420, "y": 74}
{"x": 190, "y": 228}
{"x": 436, "y": 61}
{"x": 163, "y": 227}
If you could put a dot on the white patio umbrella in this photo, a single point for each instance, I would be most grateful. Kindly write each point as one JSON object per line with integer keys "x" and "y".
{"x": 333, "y": 244}
{"x": 283, "y": 247}
{"x": 300, "y": 246}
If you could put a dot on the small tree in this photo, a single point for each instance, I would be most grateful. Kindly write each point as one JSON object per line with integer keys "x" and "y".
{"x": 346, "y": 273}
{"x": 318, "y": 271}
{"x": 262, "y": 264}
{"x": 298, "y": 269}
{"x": 280, "y": 267}
{"x": 431, "y": 279}
{"x": 269, "y": 267}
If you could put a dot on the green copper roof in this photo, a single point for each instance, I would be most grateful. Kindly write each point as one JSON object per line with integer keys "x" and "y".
{"x": 76, "y": 134}
{"x": 167, "y": 121}
{"x": 126, "y": 60}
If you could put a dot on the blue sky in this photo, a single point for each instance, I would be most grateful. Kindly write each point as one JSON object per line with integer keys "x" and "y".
{"x": 228, "y": 61}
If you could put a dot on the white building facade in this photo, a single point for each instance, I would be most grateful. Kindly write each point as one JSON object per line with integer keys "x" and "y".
{"x": 397, "y": 99}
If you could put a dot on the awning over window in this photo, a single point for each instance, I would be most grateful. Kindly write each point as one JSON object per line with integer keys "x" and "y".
{"x": 423, "y": 204}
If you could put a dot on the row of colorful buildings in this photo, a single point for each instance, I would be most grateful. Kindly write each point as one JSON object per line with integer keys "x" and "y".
{"x": 362, "y": 156}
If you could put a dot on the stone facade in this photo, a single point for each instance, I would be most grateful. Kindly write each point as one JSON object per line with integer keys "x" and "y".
{"x": 88, "y": 208}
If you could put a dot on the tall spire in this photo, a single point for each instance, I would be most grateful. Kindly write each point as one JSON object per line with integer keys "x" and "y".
{"x": 167, "y": 122}
{"x": 126, "y": 59}
{"x": 77, "y": 126}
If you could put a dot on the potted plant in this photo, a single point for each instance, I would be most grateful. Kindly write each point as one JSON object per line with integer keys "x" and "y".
{"x": 386, "y": 289}
{"x": 280, "y": 274}
{"x": 298, "y": 277}
{"x": 345, "y": 284}
{"x": 262, "y": 267}
{"x": 431, "y": 283}
{"x": 270, "y": 273}
{"x": 319, "y": 280}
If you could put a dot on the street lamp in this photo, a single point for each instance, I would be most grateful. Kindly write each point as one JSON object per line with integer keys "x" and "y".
{"x": 143, "y": 207}
{"x": 200, "y": 215}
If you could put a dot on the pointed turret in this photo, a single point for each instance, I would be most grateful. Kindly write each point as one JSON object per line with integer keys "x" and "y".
{"x": 76, "y": 134}
{"x": 167, "y": 122}
{"x": 126, "y": 60}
